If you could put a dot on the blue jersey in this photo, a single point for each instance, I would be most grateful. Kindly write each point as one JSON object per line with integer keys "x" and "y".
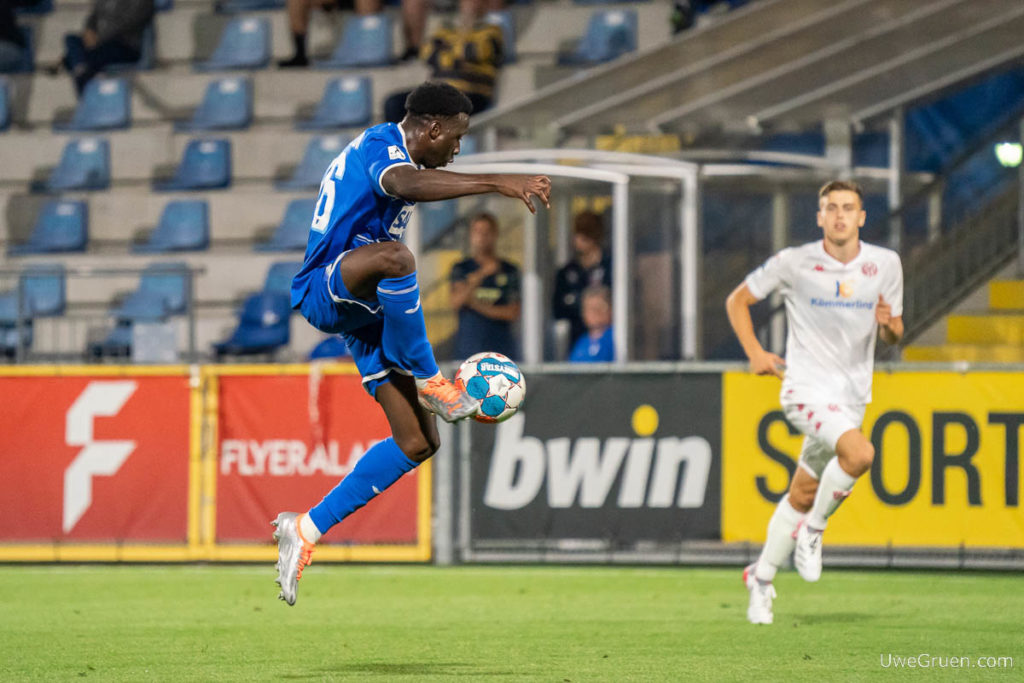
{"x": 353, "y": 209}
{"x": 590, "y": 350}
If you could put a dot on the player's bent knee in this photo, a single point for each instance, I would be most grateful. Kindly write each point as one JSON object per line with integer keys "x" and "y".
{"x": 395, "y": 260}
{"x": 802, "y": 498}
{"x": 418, "y": 447}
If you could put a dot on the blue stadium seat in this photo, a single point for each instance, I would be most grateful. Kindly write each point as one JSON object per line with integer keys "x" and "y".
{"x": 263, "y": 326}
{"x": 12, "y": 62}
{"x": 205, "y": 165}
{"x": 244, "y": 44}
{"x": 332, "y": 347}
{"x": 279, "y": 276}
{"x": 62, "y": 225}
{"x": 164, "y": 5}
{"x": 170, "y": 282}
{"x": 162, "y": 292}
{"x": 346, "y": 102}
{"x": 43, "y": 7}
{"x": 319, "y": 154}
{"x": 5, "y": 104}
{"x": 234, "y": 6}
{"x": 365, "y": 41}
{"x": 226, "y": 105}
{"x": 292, "y": 232}
{"x": 184, "y": 225}
{"x": 44, "y": 287}
{"x": 503, "y": 20}
{"x": 84, "y": 165}
{"x": 610, "y": 34}
{"x": 105, "y": 105}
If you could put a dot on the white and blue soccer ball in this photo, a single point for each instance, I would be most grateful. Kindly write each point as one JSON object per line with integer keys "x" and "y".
{"x": 495, "y": 381}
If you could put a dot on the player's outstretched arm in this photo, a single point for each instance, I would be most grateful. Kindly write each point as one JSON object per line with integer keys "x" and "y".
{"x": 429, "y": 185}
{"x": 737, "y": 306}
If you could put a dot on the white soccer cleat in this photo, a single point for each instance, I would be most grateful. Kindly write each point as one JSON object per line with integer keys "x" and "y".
{"x": 807, "y": 555}
{"x": 293, "y": 554}
{"x": 759, "y": 611}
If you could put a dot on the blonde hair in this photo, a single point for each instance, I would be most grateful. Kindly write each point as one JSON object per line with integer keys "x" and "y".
{"x": 841, "y": 186}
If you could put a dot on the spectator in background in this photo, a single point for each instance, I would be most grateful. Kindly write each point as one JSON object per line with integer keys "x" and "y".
{"x": 467, "y": 56}
{"x": 12, "y": 40}
{"x": 112, "y": 35}
{"x": 596, "y": 345}
{"x": 485, "y": 294}
{"x": 591, "y": 266}
{"x": 414, "y": 22}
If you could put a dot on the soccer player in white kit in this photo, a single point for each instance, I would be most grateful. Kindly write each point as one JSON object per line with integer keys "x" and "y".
{"x": 840, "y": 293}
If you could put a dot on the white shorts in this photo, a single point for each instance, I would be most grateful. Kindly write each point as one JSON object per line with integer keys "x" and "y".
{"x": 822, "y": 425}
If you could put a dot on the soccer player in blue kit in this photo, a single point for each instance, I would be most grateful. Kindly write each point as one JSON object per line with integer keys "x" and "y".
{"x": 359, "y": 281}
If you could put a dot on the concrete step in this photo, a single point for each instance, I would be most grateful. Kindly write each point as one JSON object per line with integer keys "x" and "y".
{"x": 980, "y": 353}
{"x": 986, "y": 329}
{"x": 1006, "y": 295}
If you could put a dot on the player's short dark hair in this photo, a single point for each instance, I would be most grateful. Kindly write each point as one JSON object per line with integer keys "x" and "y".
{"x": 589, "y": 224}
{"x": 435, "y": 98}
{"x": 840, "y": 186}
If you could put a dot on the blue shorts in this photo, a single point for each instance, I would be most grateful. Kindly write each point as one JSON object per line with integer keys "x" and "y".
{"x": 331, "y": 308}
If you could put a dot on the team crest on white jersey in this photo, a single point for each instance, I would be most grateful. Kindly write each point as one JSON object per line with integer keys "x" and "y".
{"x": 395, "y": 152}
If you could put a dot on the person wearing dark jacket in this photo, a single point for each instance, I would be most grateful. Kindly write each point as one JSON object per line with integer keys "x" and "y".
{"x": 112, "y": 35}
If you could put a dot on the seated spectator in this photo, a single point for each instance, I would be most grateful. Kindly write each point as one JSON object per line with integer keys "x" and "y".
{"x": 414, "y": 22}
{"x": 112, "y": 35}
{"x": 467, "y": 57}
{"x": 485, "y": 294}
{"x": 299, "y": 12}
{"x": 596, "y": 345}
{"x": 591, "y": 266}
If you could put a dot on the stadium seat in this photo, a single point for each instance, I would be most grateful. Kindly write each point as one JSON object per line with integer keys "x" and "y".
{"x": 244, "y": 44}
{"x": 319, "y": 154}
{"x": 184, "y": 225}
{"x": 279, "y": 276}
{"x": 164, "y": 5}
{"x": 62, "y": 226}
{"x": 292, "y": 232}
{"x": 503, "y": 20}
{"x": 234, "y": 6}
{"x": 332, "y": 347}
{"x": 263, "y": 326}
{"x": 105, "y": 105}
{"x": 16, "y": 62}
{"x": 365, "y": 41}
{"x": 42, "y": 7}
{"x": 163, "y": 291}
{"x": 610, "y": 33}
{"x": 346, "y": 102}
{"x": 5, "y": 104}
{"x": 170, "y": 281}
{"x": 84, "y": 165}
{"x": 44, "y": 287}
{"x": 205, "y": 165}
{"x": 226, "y": 105}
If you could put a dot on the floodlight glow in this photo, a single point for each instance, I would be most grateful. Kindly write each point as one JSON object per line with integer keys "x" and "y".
{"x": 1009, "y": 154}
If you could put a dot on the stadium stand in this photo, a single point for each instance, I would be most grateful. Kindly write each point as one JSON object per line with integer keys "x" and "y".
{"x": 162, "y": 292}
{"x": 5, "y": 105}
{"x": 244, "y": 44}
{"x": 84, "y": 165}
{"x": 346, "y": 102}
{"x": 503, "y": 20}
{"x": 105, "y": 105}
{"x": 236, "y": 6}
{"x": 365, "y": 41}
{"x": 184, "y": 226}
{"x": 609, "y": 35}
{"x": 62, "y": 226}
{"x": 41, "y": 289}
{"x": 319, "y": 154}
{"x": 226, "y": 105}
{"x": 205, "y": 165}
{"x": 263, "y": 326}
{"x": 279, "y": 276}
{"x": 292, "y": 232}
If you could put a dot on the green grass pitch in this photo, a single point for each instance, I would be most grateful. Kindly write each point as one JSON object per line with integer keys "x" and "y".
{"x": 500, "y": 623}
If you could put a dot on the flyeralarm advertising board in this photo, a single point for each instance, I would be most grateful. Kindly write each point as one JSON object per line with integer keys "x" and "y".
{"x": 95, "y": 458}
{"x": 947, "y": 469}
{"x": 284, "y": 439}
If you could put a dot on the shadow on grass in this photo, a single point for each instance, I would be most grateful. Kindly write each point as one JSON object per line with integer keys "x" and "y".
{"x": 811, "y": 618}
{"x": 401, "y": 669}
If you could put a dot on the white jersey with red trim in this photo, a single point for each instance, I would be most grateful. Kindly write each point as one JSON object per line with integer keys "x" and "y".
{"x": 830, "y": 310}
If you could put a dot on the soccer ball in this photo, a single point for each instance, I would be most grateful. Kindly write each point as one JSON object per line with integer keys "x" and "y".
{"x": 495, "y": 381}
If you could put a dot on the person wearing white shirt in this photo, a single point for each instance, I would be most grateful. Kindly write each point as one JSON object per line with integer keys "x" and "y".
{"x": 840, "y": 294}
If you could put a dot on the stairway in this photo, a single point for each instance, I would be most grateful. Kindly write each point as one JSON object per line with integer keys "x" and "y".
{"x": 995, "y": 335}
